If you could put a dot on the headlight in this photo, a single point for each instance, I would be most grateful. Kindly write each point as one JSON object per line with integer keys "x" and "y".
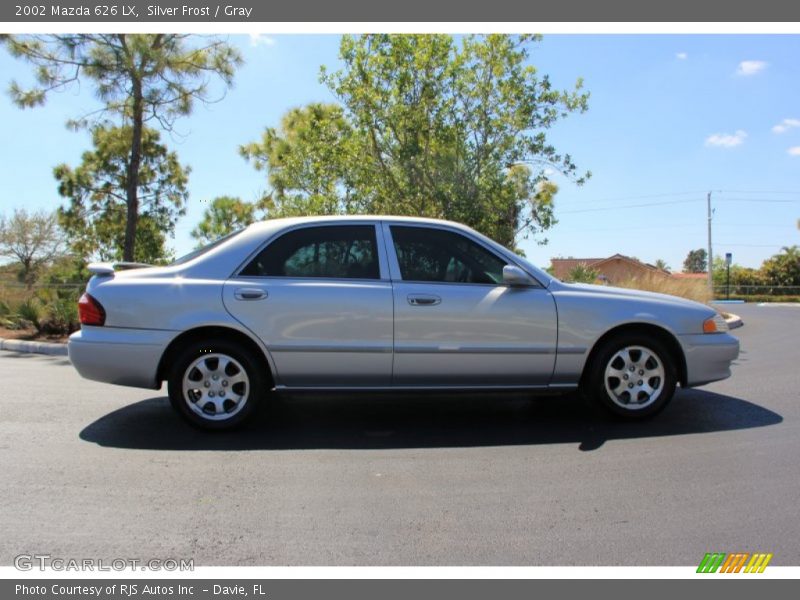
{"x": 715, "y": 324}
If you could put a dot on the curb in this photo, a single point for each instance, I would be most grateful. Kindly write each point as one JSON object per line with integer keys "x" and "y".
{"x": 48, "y": 348}
{"x": 734, "y": 321}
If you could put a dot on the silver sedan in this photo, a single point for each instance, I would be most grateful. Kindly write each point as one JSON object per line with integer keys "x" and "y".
{"x": 383, "y": 303}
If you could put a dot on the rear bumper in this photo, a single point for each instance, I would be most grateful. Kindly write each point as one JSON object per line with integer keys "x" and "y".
{"x": 708, "y": 357}
{"x": 117, "y": 355}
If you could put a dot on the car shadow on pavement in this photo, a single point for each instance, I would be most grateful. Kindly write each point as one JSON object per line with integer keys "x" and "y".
{"x": 363, "y": 421}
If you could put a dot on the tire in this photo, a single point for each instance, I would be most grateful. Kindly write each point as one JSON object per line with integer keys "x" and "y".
{"x": 216, "y": 385}
{"x": 632, "y": 376}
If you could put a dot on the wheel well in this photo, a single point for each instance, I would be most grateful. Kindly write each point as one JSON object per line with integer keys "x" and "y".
{"x": 205, "y": 333}
{"x": 659, "y": 333}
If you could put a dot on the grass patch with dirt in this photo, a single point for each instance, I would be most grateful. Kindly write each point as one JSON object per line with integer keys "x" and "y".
{"x": 690, "y": 289}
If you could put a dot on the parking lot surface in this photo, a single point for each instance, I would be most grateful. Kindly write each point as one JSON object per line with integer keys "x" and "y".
{"x": 97, "y": 471}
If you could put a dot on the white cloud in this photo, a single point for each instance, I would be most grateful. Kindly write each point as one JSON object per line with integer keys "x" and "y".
{"x": 681, "y": 56}
{"x": 786, "y": 125}
{"x": 727, "y": 140}
{"x": 751, "y": 67}
{"x": 794, "y": 150}
{"x": 260, "y": 39}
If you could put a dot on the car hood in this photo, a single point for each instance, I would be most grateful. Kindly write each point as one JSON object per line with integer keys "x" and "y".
{"x": 605, "y": 290}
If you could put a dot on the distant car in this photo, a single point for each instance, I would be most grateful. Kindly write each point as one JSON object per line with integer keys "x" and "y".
{"x": 383, "y": 303}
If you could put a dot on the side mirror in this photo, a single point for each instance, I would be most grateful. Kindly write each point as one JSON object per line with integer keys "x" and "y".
{"x": 516, "y": 277}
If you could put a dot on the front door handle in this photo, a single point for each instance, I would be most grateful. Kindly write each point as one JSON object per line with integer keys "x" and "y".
{"x": 423, "y": 300}
{"x": 249, "y": 294}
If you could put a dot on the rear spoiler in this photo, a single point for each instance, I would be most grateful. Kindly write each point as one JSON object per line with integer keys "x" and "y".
{"x": 107, "y": 268}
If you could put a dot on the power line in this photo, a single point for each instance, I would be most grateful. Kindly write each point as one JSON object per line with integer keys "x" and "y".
{"x": 638, "y": 227}
{"x": 758, "y": 200}
{"x": 757, "y": 192}
{"x": 644, "y": 196}
{"x": 687, "y": 226}
{"x": 769, "y": 225}
{"x": 670, "y": 202}
{"x": 645, "y": 205}
{"x": 752, "y": 245}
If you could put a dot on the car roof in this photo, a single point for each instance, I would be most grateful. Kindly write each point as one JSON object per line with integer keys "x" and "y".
{"x": 288, "y": 221}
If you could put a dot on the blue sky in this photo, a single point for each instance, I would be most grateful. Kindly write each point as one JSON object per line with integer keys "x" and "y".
{"x": 671, "y": 118}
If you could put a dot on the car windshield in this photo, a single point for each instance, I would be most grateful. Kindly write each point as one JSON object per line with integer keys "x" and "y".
{"x": 203, "y": 249}
{"x": 541, "y": 275}
{"x": 537, "y": 270}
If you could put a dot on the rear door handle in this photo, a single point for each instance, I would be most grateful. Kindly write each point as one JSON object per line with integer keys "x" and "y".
{"x": 250, "y": 294}
{"x": 423, "y": 300}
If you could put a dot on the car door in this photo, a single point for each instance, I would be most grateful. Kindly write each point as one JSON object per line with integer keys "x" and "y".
{"x": 320, "y": 298}
{"x": 456, "y": 323}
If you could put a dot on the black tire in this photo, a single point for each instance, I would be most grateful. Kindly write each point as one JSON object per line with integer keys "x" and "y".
{"x": 210, "y": 356}
{"x": 622, "y": 403}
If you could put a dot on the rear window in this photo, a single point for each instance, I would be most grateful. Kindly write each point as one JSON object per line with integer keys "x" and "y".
{"x": 337, "y": 252}
{"x": 203, "y": 249}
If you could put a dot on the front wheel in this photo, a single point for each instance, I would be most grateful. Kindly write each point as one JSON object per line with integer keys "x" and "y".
{"x": 632, "y": 376}
{"x": 215, "y": 384}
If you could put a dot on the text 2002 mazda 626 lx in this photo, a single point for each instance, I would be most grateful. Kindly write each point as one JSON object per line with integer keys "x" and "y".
{"x": 383, "y": 303}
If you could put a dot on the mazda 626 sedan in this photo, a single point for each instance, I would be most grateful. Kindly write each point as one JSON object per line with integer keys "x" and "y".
{"x": 383, "y": 303}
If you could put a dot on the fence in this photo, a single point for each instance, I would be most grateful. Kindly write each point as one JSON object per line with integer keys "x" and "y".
{"x": 13, "y": 291}
{"x": 41, "y": 286}
{"x": 762, "y": 293}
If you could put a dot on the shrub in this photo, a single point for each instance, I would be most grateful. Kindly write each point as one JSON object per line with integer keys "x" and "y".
{"x": 6, "y": 315}
{"x": 30, "y": 310}
{"x": 61, "y": 317}
{"x": 582, "y": 273}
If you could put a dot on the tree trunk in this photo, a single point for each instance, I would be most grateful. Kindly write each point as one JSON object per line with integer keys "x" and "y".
{"x": 27, "y": 272}
{"x": 132, "y": 191}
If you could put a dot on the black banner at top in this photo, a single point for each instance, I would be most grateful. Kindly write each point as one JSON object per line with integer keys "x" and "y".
{"x": 171, "y": 11}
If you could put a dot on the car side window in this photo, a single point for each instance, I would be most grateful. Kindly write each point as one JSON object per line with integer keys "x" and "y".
{"x": 338, "y": 252}
{"x": 427, "y": 254}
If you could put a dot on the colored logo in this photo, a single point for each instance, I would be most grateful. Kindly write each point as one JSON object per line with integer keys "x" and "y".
{"x": 738, "y": 562}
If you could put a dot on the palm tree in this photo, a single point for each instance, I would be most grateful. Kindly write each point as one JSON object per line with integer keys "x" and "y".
{"x": 662, "y": 264}
{"x": 582, "y": 273}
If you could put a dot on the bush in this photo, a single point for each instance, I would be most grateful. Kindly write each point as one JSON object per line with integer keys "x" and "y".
{"x": 61, "y": 319}
{"x": 582, "y": 273}
{"x": 6, "y": 315}
{"x": 30, "y": 310}
{"x": 49, "y": 312}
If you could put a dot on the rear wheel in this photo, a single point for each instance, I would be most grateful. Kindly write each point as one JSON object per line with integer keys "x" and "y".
{"x": 633, "y": 376}
{"x": 215, "y": 384}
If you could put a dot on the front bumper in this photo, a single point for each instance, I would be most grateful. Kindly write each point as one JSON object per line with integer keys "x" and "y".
{"x": 118, "y": 355}
{"x": 708, "y": 356}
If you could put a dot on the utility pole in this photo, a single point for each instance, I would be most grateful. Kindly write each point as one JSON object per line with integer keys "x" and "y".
{"x": 710, "y": 263}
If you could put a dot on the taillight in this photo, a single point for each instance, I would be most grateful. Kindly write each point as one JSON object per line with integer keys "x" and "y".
{"x": 90, "y": 311}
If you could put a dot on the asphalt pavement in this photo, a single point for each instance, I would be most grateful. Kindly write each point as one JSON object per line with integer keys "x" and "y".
{"x": 97, "y": 471}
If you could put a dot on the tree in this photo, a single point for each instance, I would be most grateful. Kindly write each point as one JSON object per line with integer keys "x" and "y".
{"x": 783, "y": 268}
{"x": 137, "y": 77}
{"x": 427, "y": 127}
{"x": 95, "y": 216}
{"x": 696, "y": 261}
{"x": 312, "y": 162}
{"x": 224, "y": 215}
{"x": 662, "y": 264}
{"x": 32, "y": 239}
{"x": 740, "y": 277}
